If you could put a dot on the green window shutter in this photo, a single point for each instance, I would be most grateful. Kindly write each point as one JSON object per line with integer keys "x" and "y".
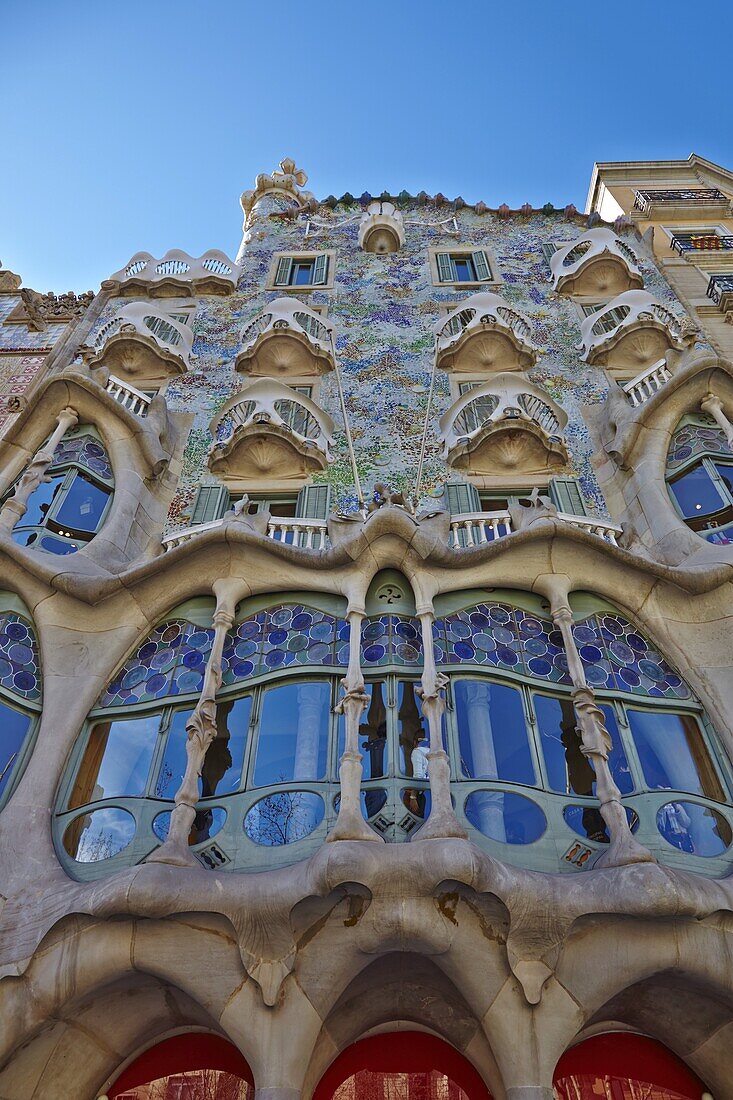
{"x": 314, "y": 502}
{"x": 481, "y": 263}
{"x": 566, "y": 496}
{"x": 210, "y": 503}
{"x": 461, "y": 498}
{"x": 320, "y": 270}
{"x": 446, "y": 274}
{"x": 284, "y": 267}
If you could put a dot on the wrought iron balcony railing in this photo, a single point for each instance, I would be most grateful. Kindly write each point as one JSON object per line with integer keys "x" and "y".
{"x": 720, "y": 289}
{"x": 695, "y": 196}
{"x": 701, "y": 242}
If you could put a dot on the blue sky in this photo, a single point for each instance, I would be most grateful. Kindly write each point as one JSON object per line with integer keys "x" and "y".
{"x": 136, "y": 125}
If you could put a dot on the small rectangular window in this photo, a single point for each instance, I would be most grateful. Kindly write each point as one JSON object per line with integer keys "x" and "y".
{"x": 302, "y": 271}
{"x": 549, "y": 250}
{"x": 463, "y": 267}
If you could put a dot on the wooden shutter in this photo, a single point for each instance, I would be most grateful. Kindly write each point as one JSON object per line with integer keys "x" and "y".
{"x": 481, "y": 263}
{"x": 210, "y": 503}
{"x": 566, "y": 496}
{"x": 320, "y": 269}
{"x": 461, "y": 498}
{"x": 284, "y": 267}
{"x": 446, "y": 274}
{"x": 314, "y": 502}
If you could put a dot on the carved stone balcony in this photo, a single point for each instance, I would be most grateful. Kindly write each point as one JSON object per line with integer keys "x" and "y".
{"x": 479, "y": 528}
{"x": 128, "y": 396}
{"x": 269, "y": 430}
{"x": 507, "y": 424}
{"x": 141, "y": 342}
{"x": 288, "y": 339}
{"x": 646, "y": 384}
{"x": 177, "y": 275}
{"x": 307, "y": 534}
{"x": 632, "y": 332}
{"x": 598, "y": 263}
{"x": 483, "y": 333}
{"x": 381, "y": 229}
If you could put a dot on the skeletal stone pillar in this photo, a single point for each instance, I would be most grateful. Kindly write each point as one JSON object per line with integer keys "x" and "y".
{"x": 350, "y": 823}
{"x": 713, "y": 406}
{"x": 35, "y": 473}
{"x": 442, "y": 821}
{"x": 596, "y": 745}
{"x": 201, "y": 731}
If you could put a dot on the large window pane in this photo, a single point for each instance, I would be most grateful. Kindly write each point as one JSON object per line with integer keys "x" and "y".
{"x": 568, "y": 770}
{"x": 83, "y": 505}
{"x": 492, "y": 733}
{"x": 173, "y": 764}
{"x": 222, "y": 769}
{"x": 673, "y": 754}
{"x": 293, "y": 737}
{"x": 14, "y": 726}
{"x": 412, "y": 732}
{"x": 725, "y": 469}
{"x": 40, "y": 501}
{"x": 372, "y": 732}
{"x": 116, "y": 760}
{"x": 696, "y": 494}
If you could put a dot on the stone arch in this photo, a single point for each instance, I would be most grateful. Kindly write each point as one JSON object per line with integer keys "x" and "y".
{"x": 183, "y": 1053}
{"x": 624, "y": 1057}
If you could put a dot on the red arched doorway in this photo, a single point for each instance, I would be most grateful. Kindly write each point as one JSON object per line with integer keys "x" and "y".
{"x": 401, "y": 1065}
{"x": 621, "y": 1066}
{"x": 195, "y": 1066}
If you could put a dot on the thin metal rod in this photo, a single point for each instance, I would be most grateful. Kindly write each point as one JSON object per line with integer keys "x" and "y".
{"x": 423, "y": 445}
{"x": 347, "y": 427}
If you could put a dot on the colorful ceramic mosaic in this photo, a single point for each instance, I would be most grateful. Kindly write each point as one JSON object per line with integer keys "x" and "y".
{"x": 171, "y": 661}
{"x": 20, "y": 667}
{"x": 617, "y": 657}
{"x": 391, "y": 640}
{"x": 284, "y": 637}
{"x": 692, "y": 440}
{"x": 86, "y": 451}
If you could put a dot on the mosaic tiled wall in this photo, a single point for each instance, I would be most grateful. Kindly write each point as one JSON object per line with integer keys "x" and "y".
{"x": 383, "y": 309}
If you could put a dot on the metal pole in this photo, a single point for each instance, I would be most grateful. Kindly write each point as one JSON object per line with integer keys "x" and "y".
{"x": 347, "y": 428}
{"x": 423, "y": 445}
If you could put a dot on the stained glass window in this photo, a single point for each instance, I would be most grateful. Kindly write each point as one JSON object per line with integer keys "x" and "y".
{"x": 617, "y": 657}
{"x": 20, "y": 671}
{"x": 283, "y": 637}
{"x": 391, "y": 640}
{"x": 171, "y": 661}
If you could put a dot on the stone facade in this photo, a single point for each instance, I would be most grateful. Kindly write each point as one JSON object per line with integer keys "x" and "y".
{"x": 363, "y": 657}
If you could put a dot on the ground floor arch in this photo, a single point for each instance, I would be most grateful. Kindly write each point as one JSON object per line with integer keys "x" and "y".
{"x": 196, "y": 1065}
{"x": 624, "y": 1066}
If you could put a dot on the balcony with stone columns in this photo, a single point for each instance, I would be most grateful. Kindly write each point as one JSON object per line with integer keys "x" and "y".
{"x": 287, "y": 340}
{"x": 483, "y": 333}
{"x": 632, "y": 332}
{"x": 176, "y": 275}
{"x": 267, "y": 430}
{"x": 141, "y": 343}
{"x": 599, "y": 263}
{"x": 506, "y": 425}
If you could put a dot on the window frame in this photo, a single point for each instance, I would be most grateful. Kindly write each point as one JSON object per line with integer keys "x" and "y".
{"x": 304, "y": 256}
{"x": 463, "y": 250}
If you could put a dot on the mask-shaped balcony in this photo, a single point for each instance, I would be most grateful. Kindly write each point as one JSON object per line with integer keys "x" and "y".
{"x": 381, "y": 229}
{"x": 483, "y": 333}
{"x": 267, "y": 430}
{"x": 632, "y": 332}
{"x": 507, "y": 425}
{"x": 287, "y": 340}
{"x": 598, "y": 263}
{"x": 141, "y": 342}
{"x": 177, "y": 275}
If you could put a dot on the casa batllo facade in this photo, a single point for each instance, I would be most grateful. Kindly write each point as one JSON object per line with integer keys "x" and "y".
{"x": 365, "y": 655}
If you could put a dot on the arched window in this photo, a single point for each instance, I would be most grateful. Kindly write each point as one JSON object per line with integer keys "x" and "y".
{"x": 193, "y": 1064}
{"x": 20, "y": 692}
{"x": 700, "y": 478}
{"x": 67, "y": 509}
{"x": 622, "y": 1064}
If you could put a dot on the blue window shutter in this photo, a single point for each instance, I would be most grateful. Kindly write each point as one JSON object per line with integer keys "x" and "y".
{"x": 461, "y": 498}
{"x": 284, "y": 267}
{"x": 314, "y": 502}
{"x": 481, "y": 263}
{"x": 210, "y": 503}
{"x": 320, "y": 270}
{"x": 446, "y": 273}
{"x": 566, "y": 496}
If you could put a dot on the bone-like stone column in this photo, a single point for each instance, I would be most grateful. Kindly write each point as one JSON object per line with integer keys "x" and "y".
{"x": 596, "y": 745}
{"x": 201, "y": 730}
{"x": 442, "y": 820}
{"x": 350, "y": 823}
{"x": 713, "y": 406}
{"x": 35, "y": 473}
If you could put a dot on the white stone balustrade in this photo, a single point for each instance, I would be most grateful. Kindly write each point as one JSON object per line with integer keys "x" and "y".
{"x": 176, "y": 274}
{"x": 483, "y": 332}
{"x": 126, "y": 395}
{"x": 186, "y": 534}
{"x": 646, "y": 384}
{"x": 599, "y": 262}
{"x": 287, "y": 338}
{"x": 609, "y": 532}
{"x": 309, "y": 534}
{"x": 632, "y": 328}
{"x": 479, "y": 528}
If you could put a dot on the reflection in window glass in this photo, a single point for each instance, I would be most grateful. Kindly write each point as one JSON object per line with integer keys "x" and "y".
{"x": 372, "y": 732}
{"x": 83, "y": 505}
{"x": 173, "y": 764}
{"x": 417, "y": 800}
{"x": 222, "y": 769}
{"x": 284, "y": 817}
{"x": 14, "y": 726}
{"x": 206, "y": 824}
{"x": 693, "y": 828}
{"x": 99, "y": 835}
{"x": 672, "y": 753}
{"x": 492, "y": 733}
{"x": 504, "y": 816}
{"x": 40, "y": 501}
{"x": 412, "y": 732}
{"x": 293, "y": 739}
{"x": 587, "y": 822}
{"x": 696, "y": 493}
{"x": 725, "y": 469}
{"x": 568, "y": 770}
{"x": 116, "y": 760}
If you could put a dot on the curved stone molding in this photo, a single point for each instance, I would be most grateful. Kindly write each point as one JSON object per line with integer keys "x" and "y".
{"x": 598, "y": 263}
{"x": 141, "y": 342}
{"x": 286, "y": 184}
{"x": 483, "y": 333}
{"x": 381, "y": 228}
{"x": 288, "y": 339}
{"x": 633, "y": 331}
{"x": 508, "y": 424}
{"x": 176, "y": 275}
{"x": 269, "y": 430}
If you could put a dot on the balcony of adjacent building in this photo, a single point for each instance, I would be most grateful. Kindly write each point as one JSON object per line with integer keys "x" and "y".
{"x": 506, "y": 425}
{"x": 720, "y": 291}
{"x": 176, "y": 275}
{"x": 269, "y": 432}
{"x": 599, "y": 263}
{"x": 288, "y": 340}
{"x": 680, "y": 202}
{"x": 484, "y": 334}
{"x": 631, "y": 332}
{"x": 692, "y": 245}
{"x": 142, "y": 343}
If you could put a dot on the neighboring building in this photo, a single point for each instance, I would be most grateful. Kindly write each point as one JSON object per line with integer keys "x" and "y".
{"x": 373, "y": 737}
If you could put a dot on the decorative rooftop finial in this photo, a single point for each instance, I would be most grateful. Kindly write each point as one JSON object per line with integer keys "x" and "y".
{"x": 287, "y": 181}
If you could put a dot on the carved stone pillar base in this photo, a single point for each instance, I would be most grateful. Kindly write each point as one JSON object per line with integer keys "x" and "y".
{"x": 11, "y": 511}
{"x": 442, "y": 822}
{"x": 175, "y": 849}
{"x": 624, "y": 848}
{"x": 350, "y": 823}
